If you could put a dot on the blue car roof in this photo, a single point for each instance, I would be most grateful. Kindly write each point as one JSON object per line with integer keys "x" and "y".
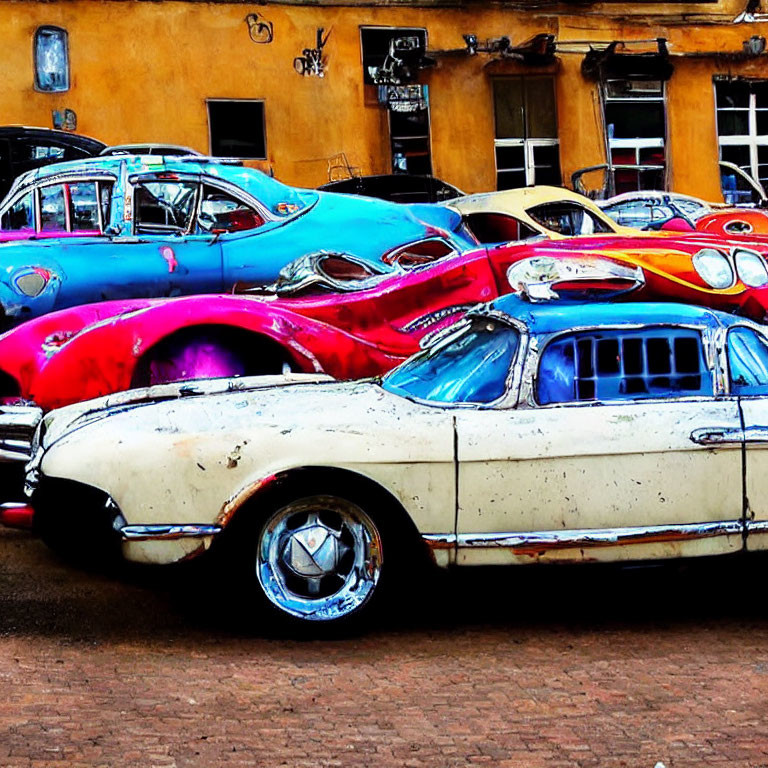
{"x": 556, "y": 316}
{"x": 273, "y": 194}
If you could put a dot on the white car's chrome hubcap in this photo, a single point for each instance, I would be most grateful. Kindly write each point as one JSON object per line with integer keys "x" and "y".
{"x": 319, "y": 558}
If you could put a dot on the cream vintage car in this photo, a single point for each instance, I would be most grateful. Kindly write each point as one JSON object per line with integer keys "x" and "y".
{"x": 524, "y": 434}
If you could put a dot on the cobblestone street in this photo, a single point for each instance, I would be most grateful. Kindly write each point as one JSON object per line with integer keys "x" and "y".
{"x": 627, "y": 669}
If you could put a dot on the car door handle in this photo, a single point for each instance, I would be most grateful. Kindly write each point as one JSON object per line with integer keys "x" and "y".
{"x": 717, "y": 436}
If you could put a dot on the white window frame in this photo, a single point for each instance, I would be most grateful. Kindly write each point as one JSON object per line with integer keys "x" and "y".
{"x": 528, "y": 146}
{"x": 752, "y": 140}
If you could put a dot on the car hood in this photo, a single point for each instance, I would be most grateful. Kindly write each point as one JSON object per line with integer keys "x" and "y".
{"x": 64, "y": 421}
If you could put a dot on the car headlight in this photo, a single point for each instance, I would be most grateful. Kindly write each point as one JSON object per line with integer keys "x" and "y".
{"x": 31, "y": 282}
{"x": 750, "y": 268}
{"x": 714, "y": 268}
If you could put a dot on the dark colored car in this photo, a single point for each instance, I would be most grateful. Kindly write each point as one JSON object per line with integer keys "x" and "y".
{"x": 396, "y": 187}
{"x": 22, "y": 149}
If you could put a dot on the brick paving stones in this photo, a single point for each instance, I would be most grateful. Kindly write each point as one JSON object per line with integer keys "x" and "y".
{"x": 527, "y": 670}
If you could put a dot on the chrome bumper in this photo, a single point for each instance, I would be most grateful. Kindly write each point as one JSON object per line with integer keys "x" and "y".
{"x": 17, "y": 427}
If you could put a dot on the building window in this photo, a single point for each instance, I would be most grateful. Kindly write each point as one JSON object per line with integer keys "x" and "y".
{"x": 237, "y": 129}
{"x": 742, "y": 125}
{"x": 635, "y": 124}
{"x": 526, "y": 144}
{"x": 51, "y": 60}
{"x": 391, "y": 54}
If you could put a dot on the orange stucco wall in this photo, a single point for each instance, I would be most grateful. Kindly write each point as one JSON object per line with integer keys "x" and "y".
{"x": 141, "y": 71}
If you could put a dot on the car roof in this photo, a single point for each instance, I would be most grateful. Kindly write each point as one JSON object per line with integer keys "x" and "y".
{"x": 556, "y": 316}
{"x": 521, "y": 198}
{"x": 268, "y": 191}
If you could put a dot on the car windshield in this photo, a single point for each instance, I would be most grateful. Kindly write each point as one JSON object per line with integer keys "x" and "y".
{"x": 567, "y": 219}
{"x": 471, "y": 366}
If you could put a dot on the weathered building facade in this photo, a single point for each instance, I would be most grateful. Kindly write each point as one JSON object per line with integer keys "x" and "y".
{"x": 484, "y": 95}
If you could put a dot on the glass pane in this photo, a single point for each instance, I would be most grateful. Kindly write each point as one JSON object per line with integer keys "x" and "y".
{"x": 541, "y": 112}
{"x": 546, "y": 163}
{"x": 222, "y": 212}
{"x": 738, "y": 155}
{"x": 732, "y": 94}
{"x": 53, "y": 215}
{"x": 748, "y": 362}
{"x": 510, "y": 158}
{"x": 762, "y": 122}
{"x": 84, "y": 206}
{"x": 51, "y": 59}
{"x": 164, "y": 206}
{"x": 508, "y": 108}
{"x": 760, "y": 89}
{"x": 635, "y": 120}
{"x": 472, "y": 368}
{"x": 20, "y": 216}
{"x": 510, "y": 180}
{"x": 734, "y": 122}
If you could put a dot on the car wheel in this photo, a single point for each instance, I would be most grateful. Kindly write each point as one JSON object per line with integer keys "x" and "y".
{"x": 319, "y": 560}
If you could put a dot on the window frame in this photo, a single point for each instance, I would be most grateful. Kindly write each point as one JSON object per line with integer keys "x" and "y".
{"x": 529, "y": 144}
{"x": 64, "y": 181}
{"x": 636, "y": 144}
{"x": 751, "y": 140}
{"x": 712, "y": 367}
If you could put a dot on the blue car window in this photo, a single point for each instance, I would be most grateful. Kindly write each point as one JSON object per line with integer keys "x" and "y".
{"x": 472, "y": 368}
{"x": 20, "y": 216}
{"x": 53, "y": 216}
{"x": 83, "y": 206}
{"x": 748, "y": 362}
{"x": 623, "y": 365}
{"x": 220, "y": 212}
{"x": 164, "y": 206}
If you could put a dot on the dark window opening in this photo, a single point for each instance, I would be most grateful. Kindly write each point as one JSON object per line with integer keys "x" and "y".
{"x": 497, "y": 228}
{"x": 237, "y": 129}
{"x": 20, "y": 216}
{"x": 619, "y": 365}
{"x": 567, "y": 219}
{"x": 375, "y": 42}
{"x": 410, "y": 142}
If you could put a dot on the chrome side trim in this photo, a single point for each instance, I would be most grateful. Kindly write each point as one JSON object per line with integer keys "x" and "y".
{"x": 757, "y": 526}
{"x": 167, "y": 532}
{"x": 718, "y": 436}
{"x": 584, "y": 537}
{"x": 756, "y": 434}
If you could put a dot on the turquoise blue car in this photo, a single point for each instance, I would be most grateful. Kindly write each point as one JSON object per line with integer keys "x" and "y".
{"x": 145, "y": 226}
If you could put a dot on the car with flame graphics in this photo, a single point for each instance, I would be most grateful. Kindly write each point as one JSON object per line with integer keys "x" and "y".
{"x": 337, "y": 314}
{"x": 463, "y": 455}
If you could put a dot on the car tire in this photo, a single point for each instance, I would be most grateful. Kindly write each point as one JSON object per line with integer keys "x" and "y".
{"x": 316, "y": 563}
